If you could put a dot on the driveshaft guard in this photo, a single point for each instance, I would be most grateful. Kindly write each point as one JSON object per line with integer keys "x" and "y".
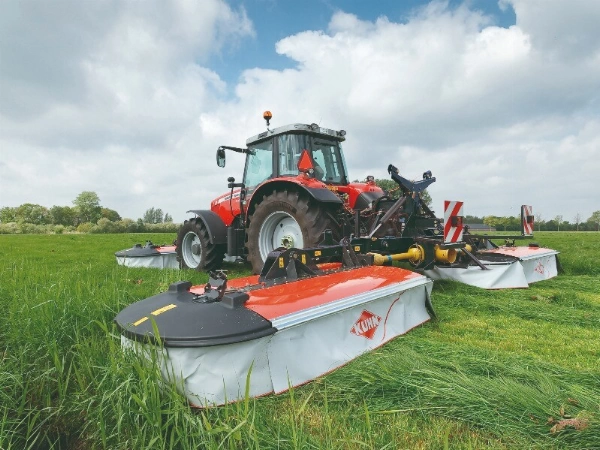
{"x": 183, "y": 320}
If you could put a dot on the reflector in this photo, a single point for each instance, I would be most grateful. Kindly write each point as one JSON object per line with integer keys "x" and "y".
{"x": 305, "y": 164}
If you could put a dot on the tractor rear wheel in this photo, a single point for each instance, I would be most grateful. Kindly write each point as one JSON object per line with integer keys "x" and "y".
{"x": 194, "y": 249}
{"x": 286, "y": 219}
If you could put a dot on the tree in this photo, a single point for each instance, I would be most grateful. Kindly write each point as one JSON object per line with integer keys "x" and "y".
{"x": 168, "y": 218}
{"x": 110, "y": 214}
{"x": 153, "y": 215}
{"x": 88, "y": 207}
{"x": 491, "y": 221}
{"x": 595, "y": 219}
{"x": 31, "y": 213}
{"x": 558, "y": 220}
{"x": 473, "y": 219}
{"x": 513, "y": 223}
{"x": 504, "y": 222}
{"x": 8, "y": 214}
{"x": 577, "y": 220}
{"x": 63, "y": 215}
{"x": 539, "y": 220}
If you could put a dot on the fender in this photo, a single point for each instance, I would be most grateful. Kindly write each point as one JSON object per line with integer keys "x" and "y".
{"x": 315, "y": 189}
{"x": 365, "y": 199}
{"x": 217, "y": 230}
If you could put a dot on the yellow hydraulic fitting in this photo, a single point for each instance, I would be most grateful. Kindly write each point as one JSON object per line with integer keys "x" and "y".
{"x": 445, "y": 255}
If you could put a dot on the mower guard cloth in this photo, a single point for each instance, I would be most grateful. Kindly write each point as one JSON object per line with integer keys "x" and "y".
{"x": 531, "y": 264}
{"x": 154, "y": 258}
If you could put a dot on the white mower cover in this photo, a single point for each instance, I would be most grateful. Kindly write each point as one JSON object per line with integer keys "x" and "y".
{"x": 307, "y": 344}
{"x": 533, "y": 264}
{"x": 530, "y": 264}
{"x": 162, "y": 258}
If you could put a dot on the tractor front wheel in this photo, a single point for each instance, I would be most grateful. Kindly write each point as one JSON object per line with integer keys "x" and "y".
{"x": 194, "y": 249}
{"x": 286, "y": 219}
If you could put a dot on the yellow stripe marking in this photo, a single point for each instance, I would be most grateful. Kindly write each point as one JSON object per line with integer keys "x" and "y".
{"x": 142, "y": 320}
{"x": 163, "y": 309}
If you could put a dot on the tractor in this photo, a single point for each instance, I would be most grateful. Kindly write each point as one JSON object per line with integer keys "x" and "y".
{"x": 294, "y": 191}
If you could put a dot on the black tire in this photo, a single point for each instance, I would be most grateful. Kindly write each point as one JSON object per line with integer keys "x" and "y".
{"x": 311, "y": 218}
{"x": 194, "y": 250}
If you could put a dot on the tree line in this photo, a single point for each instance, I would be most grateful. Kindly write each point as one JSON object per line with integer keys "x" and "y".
{"x": 509, "y": 223}
{"x": 86, "y": 215}
{"x": 558, "y": 223}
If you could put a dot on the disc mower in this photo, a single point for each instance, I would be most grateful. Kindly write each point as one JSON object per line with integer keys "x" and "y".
{"x": 322, "y": 249}
{"x": 295, "y": 190}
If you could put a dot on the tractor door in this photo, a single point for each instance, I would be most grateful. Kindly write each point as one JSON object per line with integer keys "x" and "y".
{"x": 289, "y": 149}
{"x": 259, "y": 164}
{"x": 327, "y": 155}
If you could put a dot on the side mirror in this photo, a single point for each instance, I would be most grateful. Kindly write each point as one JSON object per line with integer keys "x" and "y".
{"x": 221, "y": 157}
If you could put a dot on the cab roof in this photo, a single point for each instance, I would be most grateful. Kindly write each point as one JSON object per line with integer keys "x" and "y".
{"x": 313, "y": 129}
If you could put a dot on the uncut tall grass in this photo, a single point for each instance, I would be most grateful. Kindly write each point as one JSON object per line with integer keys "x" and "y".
{"x": 499, "y": 369}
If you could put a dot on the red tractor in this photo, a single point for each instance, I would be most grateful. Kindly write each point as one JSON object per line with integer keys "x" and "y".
{"x": 295, "y": 187}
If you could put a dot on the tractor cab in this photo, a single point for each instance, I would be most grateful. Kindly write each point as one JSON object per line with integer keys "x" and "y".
{"x": 275, "y": 153}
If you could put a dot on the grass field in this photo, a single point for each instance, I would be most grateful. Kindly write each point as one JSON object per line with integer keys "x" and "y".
{"x": 498, "y": 369}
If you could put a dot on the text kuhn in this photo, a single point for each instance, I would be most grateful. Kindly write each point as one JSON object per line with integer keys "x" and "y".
{"x": 366, "y": 325}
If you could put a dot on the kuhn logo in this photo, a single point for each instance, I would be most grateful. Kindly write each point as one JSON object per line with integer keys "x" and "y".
{"x": 539, "y": 268}
{"x": 366, "y": 325}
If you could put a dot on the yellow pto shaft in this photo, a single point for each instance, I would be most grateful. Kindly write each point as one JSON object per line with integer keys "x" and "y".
{"x": 416, "y": 255}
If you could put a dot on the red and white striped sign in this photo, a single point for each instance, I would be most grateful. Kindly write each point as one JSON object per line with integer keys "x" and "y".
{"x": 526, "y": 220}
{"x": 453, "y": 225}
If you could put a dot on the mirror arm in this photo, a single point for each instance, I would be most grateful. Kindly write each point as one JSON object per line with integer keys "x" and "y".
{"x": 235, "y": 149}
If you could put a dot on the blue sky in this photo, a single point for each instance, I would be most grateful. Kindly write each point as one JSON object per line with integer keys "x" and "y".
{"x": 274, "y": 20}
{"x": 499, "y": 99}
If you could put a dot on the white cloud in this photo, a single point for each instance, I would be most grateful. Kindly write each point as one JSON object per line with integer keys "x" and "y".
{"x": 467, "y": 97}
{"x": 560, "y": 29}
{"x": 119, "y": 98}
{"x": 102, "y": 97}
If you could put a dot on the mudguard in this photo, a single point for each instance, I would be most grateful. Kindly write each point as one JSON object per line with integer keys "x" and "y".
{"x": 365, "y": 199}
{"x": 217, "y": 230}
{"x": 314, "y": 188}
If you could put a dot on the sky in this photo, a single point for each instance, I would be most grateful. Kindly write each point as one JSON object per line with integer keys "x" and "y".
{"x": 130, "y": 99}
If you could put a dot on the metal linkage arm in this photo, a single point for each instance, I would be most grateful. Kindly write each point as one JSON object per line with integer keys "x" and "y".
{"x": 410, "y": 186}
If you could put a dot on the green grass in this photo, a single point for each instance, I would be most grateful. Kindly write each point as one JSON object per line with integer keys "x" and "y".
{"x": 499, "y": 369}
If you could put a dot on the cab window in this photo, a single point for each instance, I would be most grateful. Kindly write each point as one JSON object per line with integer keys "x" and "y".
{"x": 326, "y": 155}
{"x": 290, "y": 147}
{"x": 259, "y": 164}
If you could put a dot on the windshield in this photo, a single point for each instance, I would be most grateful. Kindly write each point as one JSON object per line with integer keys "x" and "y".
{"x": 326, "y": 154}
